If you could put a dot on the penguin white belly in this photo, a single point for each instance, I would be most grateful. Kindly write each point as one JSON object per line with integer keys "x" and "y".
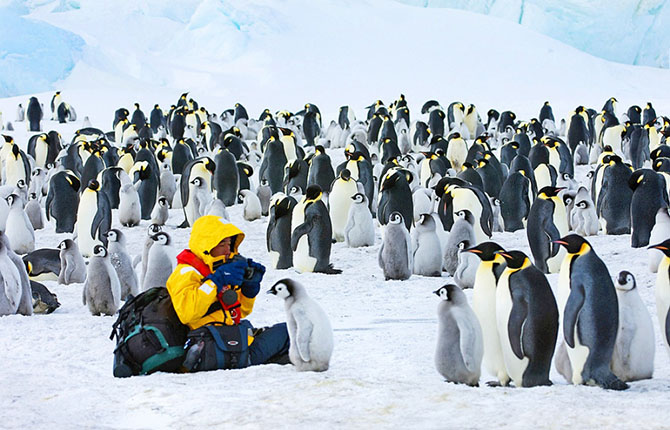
{"x": 612, "y": 137}
{"x": 578, "y": 356}
{"x": 457, "y": 153}
{"x": 542, "y": 176}
{"x": 126, "y": 163}
{"x": 425, "y": 173}
{"x": 515, "y": 367}
{"x": 301, "y": 258}
{"x": 352, "y": 166}
{"x": 14, "y": 171}
{"x": 289, "y": 148}
{"x": 470, "y": 121}
{"x": 41, "y": 151}
{"x": 663, "y": 298}
{"x": 561, "y": 223}
{"x": 340, "y": 202}
{"x": 88, "y": 207}
{"x": 484, "y": 305}
{"x": 274, "y": 258}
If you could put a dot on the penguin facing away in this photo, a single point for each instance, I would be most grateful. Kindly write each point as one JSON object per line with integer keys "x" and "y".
{"x": 279, "y": 231}
{"x": 102, "y": 289}
{"x": 460, "y": 348}
{"x": 309, "y": 329}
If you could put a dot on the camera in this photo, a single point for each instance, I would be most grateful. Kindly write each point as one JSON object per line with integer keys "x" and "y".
{"x": 248, "y": 271}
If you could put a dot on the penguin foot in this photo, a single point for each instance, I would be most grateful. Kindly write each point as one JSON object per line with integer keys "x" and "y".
{"x": 183, "y": 225}
{"x": 331, "y": 271}
{"x": 495, "y": 384}
{"x": 610, "y": 382}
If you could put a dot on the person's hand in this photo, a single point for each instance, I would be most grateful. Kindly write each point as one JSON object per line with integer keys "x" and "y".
{"x": 231, "y": 273}
{"x": 251, "y": 287}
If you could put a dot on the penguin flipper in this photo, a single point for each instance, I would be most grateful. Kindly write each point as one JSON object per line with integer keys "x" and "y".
{"x": 667, "y": 326}
{"x": 517, "y": 319}
{"x": 300, "y": 231}
{"x": 303, "y": 334}
{"x": 467, "y": 347}
{"x": 47, "y": 204}
{"x": 572, "y": 309}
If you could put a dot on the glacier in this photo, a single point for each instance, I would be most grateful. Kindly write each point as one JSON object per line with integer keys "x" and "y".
{"x": 625, "y": 31}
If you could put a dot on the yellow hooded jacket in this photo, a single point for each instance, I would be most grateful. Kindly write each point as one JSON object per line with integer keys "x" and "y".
{"x": 191, "y": 297}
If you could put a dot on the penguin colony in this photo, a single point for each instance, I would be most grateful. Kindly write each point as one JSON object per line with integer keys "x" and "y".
{"x": 436, "y": 188}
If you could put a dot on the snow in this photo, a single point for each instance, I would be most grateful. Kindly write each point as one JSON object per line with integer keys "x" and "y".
{"x": 57, "y": 369}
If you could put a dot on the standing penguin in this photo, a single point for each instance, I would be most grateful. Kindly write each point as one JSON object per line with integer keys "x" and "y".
{"x": 63, "y": 200}
{"x": 515, "y": 198}
{"x": 547, "y": 221}
{"x": 251, "y": 205}
{"x": 15, "y": 292}
{"x": 427, "y": 253}
{"x": 468, "y": 264}
{"x": 340, "y": 201}
{"x": 278, "y": 236}
{"x": 264, "y": 194}
{"x": 312, "y": 234}
{"x": 168, "y": 183}
{"x": 590, "y": 314}
{"x": 18, "y": 229}
{"x": 320, "y": 169}
{"x": 659, "y": 233}
{"x": 460, "y": 345}
{"x": 202, "y": 168}
{"x": 72, "y": 265}
{"x": 122, "y": 263}
{"x": 102, "y": 289}
{"x": 484, "y": 304}
{"x": 633, "y": 356}
{"x": 649, "y": 196}
{"x": 613, "y": 195}
{"x": 148, "y": 243}
{"x": 309, "y": 330}
{"x": 146, "y": 181}
{"x": 34, "y": 212}
{"x": 395, "y": 253}
{"x": 160, "y": 213}
{"x": 360, "y": 229}
{"x": 129, "y": 206}
{"x": 663, "y": 292}
{"x": 94, "y": 218}
{"x": 583, "y": 217}
{"x": 161, "y": 261}
{"x": 461, "y": 230}
{"x": 395, "y": 195}
{"x": 34, "y": 115}
{"x": 527, "y": 317}
{"x": 226, "y": 179}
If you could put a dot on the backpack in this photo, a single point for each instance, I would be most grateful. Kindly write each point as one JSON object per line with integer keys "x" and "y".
{"x": 218, "y": 346}
{"x": 149, "y": 335}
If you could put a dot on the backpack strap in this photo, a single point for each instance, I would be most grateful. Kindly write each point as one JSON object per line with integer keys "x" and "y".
{"x": 188, "y": 257}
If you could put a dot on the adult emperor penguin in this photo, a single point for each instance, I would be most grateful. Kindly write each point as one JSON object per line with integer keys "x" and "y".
{"x": 340, "y": 201}
{"x": 321, "y": 170}
{"x": 18, "y": 229}
{"x": 633, "y": 356}
{"x": 146, "y": 181}
{"x": 312, "y": 234}
{"x": 460, "y": 345}
{"x": 663, "y": 292}
{"x": 203, "y": 168}
{"x": 34, "y": 115}
{"x": 457, "y": 150}
{"x": 309, "y": 330}
{"x": 102, "y": 289}
{"x": 649, "y": 195}
{"x": 279, "y": 231}
{"x": 587, "y": 299}
{"x": 484, "y": 304}
{"x": 226, "y": 179}
{"x": 94, "y": 218}
{"x": 395, "y": 253}
{"x": 161, "y": 261}
{"x": 527, "y": 317}
{"x": 612, "y": 195}
{"x": 547, "y": 222}
{"x": 272, "y": 166}
{"x": 427, "y": 252}
{"x": 72, "y": 265}
{"x": 395, "y": 195}
{"x": 456, "y": 196}
{"x": 360, "y": 229}
{"x": 659, "y": 233}
{"x": 15, "y": 293}
{"x": 515, "y": 198}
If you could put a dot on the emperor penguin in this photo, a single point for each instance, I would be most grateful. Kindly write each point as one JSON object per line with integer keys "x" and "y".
{"x": 395, "y": 195}
{"x": 460, "y": 345}
{"x": 663, "y": 292}
{"x": 15, "y": 292}
{"x": 251, "y": 205}
{"x": 659, "y": 233}
{"x": 122, "y": 263}
{"x": 649, "y": 195}
{"x": 527, "y": 317}
{"x": 146, "y": 181}
{"x": 129, "y": 206}
{"x": 395, "y": 253}
{"x": 468, "y": 263}
{"x": 202, "y": 168}
{"x": 312, "y": 234}
{"x": 279, "y": 231}
{"x": 94, "y": 218}
{"x": 340, "y": 201}
{"x": 44, "y": 301}
{"x": 168, "y": 183}
{"x": 199, "y": 198}
{"x": 633, "y": 356}
{"x": 63, "y": 200}
{"x": 226, "y": 179}
{"x": 588, "y": 303}
{"x": 18, "y": 228}
{"x": 462, "y": 229}
{"x": 457, "y": 151}
{"x": 360, "y": 228}
{"x": 309, "y": 330}
{"x": 148, "y": 243}
{"x": 611, "y": 192}
{"x": 72, "y": 265}
{"x": 515, "y": 200}
{"x": 34, "y": 115}
{"x": 484, "y": 304}
{"x": 34, "y": 212}
{"x": 427, "y": 252}
{"x": 547, "y": 221}
{"x": 161, "y": 261}
{"x": 160, "y": 213}
{"x": 264, "y": 194}
{"x": 583, "y": 217}
{"x": 102, "y": 289}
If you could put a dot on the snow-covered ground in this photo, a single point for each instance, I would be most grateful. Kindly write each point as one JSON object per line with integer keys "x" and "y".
{"x": 56, "y": 369}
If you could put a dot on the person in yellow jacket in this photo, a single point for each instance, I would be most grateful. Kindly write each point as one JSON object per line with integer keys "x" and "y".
{"x": 213, "y": 283}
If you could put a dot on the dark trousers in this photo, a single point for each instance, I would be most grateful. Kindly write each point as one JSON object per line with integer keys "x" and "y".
{"x": 270, "y": 345}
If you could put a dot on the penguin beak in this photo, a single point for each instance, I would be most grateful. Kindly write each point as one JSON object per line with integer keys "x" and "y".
{"x": 560, "y": 242}
{"x": 503, "y": 255}
{"x": 436, "y": 292}
{"x": 472, "y": 250}
{"x": 659, "y": 247}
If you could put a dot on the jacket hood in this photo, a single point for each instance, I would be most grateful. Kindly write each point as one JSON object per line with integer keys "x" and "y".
{"x": 207, "y": 232}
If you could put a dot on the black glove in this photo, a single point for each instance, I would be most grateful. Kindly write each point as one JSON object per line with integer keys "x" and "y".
{"x": 251, "y": 286}
{"x": 231, "y": 273}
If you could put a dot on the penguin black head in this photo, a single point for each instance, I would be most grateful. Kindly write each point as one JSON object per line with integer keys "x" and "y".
{"x": 426, "y": 219}
{"x": 358, "y": 198}
{"x": 319, "y": 149}
{"x": 664, "y": 247}
{"x": 450, "y": 293}
{"x": 161, "y": 238}
{"x": 197, "y": 181}
{"x": 396, "y": 218}
{"x": 113, "y": 235}
{"x": 549, "y": 192}
{"x": 625, "y": 281}
{"x": 313, "y": 192}
{"x": 574, "y": 244}
{"x": 99, "y": 251}
{"x": 486, "y": 251}
{"x": 93, "y": 185}
{"x": 514, "y": 259}
{"x": 345, "y": 174}
{"x": 162, "y": 201}
{"x": 283, "y": 288}
{"x": 153, "y": 229}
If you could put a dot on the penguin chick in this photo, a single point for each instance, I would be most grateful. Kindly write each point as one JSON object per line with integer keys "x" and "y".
{"x": 129, "y": 206}
{"x": 102, "y": 288}
{"x": 251, "y": 205}
{"x": 467, "y": 266}
{"x": 360, "y": 229}
{"x": 122, "y": 263}
{"x": 161, "y": 261}
{"x": 427, "y": 251}
{"x": 583, "y": 216}
{"x": 160, "y": 213}
{"x": 264, "y": 194}
{"x": 18, "y": 229}
{"x": 310, "y": 333}
{"x": 72, "y": 265}
{"x": 395, "y": 254}
{"x": 460, "y": 345}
